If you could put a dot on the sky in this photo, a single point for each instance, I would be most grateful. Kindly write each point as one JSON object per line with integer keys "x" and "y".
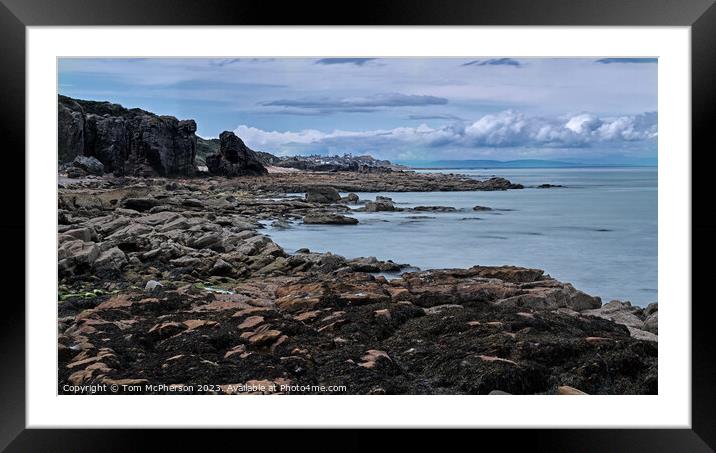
{"x": 592, "y": 110}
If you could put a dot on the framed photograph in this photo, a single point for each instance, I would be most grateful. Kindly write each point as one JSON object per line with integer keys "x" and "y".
{"x": 417, "y": 215}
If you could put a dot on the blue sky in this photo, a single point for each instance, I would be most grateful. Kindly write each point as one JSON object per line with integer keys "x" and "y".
{"x": 403, "y": 109}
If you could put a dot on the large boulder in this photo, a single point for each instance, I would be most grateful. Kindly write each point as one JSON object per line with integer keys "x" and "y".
{"x": 234, "y": 158}
{"x": 89, "y": 164}
{"x": 380, "y": 205}
{"x": 329, "y": 219}
{"x": 77, "y": 256}
{"x": 126, "y": 141}
{"x": 322, "y": 195}
{"x": 642, "y": 323}
{"x": 110, "y": 261}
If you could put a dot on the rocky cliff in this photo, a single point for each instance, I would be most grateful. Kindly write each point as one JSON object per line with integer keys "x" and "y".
{"x": 126, "y": 141}
{"x": 234, "y": 158}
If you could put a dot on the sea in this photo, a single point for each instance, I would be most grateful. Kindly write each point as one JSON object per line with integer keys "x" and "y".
{"x": 598, "y": 232}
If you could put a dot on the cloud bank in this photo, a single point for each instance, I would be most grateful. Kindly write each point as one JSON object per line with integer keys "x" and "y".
{"x": 507, "y": 129}
{"x": 358, "y": 103}
{"x": 354, "y": 61}
{"x": 494, "y": 62}
{"x": 626, "y": 60}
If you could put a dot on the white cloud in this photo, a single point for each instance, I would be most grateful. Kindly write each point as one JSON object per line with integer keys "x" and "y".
{"x": 508, "y": 129}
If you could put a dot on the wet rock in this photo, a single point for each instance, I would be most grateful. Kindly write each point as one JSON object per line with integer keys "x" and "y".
{"x": 381, "y": 204}
{"x": 496, "y": 183}
{"x": 329, "y": 219}
{"x": 372, "y": 264}
{"x": 434, "y": 209}
{"x": 322, "y": 195}
{"x": 281, "y": 225}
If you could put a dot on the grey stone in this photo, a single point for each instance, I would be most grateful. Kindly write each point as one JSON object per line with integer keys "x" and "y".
{"x": 329, "y": 219}
{"x": 153, "y": 287}
{"x": 322, "y": 195}
{"x": 89, "y": 164}
{"x": 111, "y": 260}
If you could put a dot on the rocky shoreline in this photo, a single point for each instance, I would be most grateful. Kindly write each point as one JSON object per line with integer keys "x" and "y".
{"x": 170, "y": 282}
{"x": 398, "y": 181}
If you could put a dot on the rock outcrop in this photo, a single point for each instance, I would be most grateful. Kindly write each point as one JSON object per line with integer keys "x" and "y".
{"x": 84, "y": 165}
{"x": 125, "y": 141}
{"x": 395, "y": 181}
{"x": 322, "y": 195}
{"x": 329, "y": 219}
{"x": 381, "y": 204}
{"x": 234, "y": 158}
{"x": 641, "y": 322}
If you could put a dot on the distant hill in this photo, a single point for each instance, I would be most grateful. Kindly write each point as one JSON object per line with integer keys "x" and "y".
{"x": 523, "y": 163}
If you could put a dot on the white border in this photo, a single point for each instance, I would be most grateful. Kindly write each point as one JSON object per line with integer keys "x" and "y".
{"x": 671, "y": 408}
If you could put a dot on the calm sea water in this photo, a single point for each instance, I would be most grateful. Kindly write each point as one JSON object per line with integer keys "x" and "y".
{"x": 599, "y": 232}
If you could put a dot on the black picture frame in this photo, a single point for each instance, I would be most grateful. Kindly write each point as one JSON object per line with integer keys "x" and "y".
{"x": 16, "y": 15}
